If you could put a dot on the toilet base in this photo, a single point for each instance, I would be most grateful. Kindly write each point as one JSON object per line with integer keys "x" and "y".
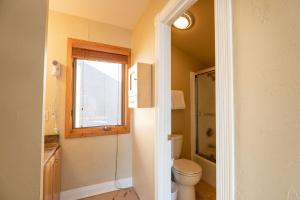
{"x": 186, "y": 192}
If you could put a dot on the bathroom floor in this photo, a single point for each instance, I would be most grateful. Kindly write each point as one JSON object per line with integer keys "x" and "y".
{"x": 205, "y": 191}
{"x": 125, "y": 194}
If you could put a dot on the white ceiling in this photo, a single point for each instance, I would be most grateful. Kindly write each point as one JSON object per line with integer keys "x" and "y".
{"x": 199, "y": 41}
{"x": 122, "y": 13}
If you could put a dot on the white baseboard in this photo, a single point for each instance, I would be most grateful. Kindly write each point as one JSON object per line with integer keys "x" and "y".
{"x": 97, "y": 189}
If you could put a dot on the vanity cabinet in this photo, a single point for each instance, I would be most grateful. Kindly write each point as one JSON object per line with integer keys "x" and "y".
{"x": 52, "y": 174}
{"x": 48, "y": 179}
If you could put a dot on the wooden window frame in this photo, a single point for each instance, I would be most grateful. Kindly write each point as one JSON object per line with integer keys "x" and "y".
{"x": 71, "y": 132}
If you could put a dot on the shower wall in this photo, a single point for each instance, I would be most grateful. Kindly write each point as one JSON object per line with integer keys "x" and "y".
{"x": 206, "y": 118}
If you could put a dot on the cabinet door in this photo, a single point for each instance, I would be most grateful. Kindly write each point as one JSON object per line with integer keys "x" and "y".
{"x": 56, "y": 174}
{"x": 132, "y": 79}
{"x": 48, "y": 179}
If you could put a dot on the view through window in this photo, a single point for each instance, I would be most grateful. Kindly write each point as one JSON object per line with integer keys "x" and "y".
{"x": 98, "y": 93}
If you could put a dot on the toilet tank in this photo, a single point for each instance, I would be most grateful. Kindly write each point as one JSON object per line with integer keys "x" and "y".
{"x": 176, "y": 142}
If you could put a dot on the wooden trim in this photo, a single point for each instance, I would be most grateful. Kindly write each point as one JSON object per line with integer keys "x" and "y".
{"x": 82, "y": 44}
{"x": 98, "y": 56}
{"x": 69, "y": 90}
{"x": 70, "y": 132}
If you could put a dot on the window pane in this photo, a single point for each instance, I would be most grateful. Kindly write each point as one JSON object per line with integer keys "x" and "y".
{"x": 98, "y": 94}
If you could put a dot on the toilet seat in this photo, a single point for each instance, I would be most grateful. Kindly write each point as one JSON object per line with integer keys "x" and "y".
{"x": 186, "y": 167}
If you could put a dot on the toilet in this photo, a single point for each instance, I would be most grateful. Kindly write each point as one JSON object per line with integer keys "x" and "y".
{"x": 186, "y": 173}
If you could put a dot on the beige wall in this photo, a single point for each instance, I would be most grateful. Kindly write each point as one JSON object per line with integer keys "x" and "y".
{"x": 85, "y": 161}
{"x": 143, "y": 42}
{"x": 182, "y": 65}
{"x": 23, "y": 31}
{"x": 267, "y": 61}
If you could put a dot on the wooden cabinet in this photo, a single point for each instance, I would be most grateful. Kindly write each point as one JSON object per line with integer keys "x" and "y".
{"x": 52, "y": 170}
{"x": 56, "y": 174}
{"x": 48, "y": 179}
{"x": 140, "y": 86}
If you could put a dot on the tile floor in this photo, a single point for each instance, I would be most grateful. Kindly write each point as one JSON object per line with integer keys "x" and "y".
{"x": 203, "y": 192}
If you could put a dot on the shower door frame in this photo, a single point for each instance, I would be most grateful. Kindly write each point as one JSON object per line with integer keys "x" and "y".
{"x": 194, "y": 127}
{"x": 225, "y": 118}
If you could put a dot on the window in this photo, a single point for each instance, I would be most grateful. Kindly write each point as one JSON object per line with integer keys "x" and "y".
{"x": 96, "y": 93}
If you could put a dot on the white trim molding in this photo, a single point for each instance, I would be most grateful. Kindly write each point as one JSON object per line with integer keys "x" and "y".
{"x": 163, "y": 161}
{"x": 225, "y": 107}
{"x": 173, "y": 10}
{"x": 97, "y": 189}
{"x": 226, "y": 155}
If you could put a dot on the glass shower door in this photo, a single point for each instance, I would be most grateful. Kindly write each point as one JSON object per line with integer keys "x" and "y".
{"x": 205, "y": 116}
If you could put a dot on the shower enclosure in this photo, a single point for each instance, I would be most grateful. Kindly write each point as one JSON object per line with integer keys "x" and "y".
{"x": 205, "y": 115}
{"x": 203, "y": 98}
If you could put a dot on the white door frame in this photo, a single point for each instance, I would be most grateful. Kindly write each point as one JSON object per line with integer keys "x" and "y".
{"x": 225, "y": 119}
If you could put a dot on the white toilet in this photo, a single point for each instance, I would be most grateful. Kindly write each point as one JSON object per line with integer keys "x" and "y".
{"x": 187, "y": 173}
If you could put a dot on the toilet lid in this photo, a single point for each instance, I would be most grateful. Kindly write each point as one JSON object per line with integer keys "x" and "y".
{"x": 188, "y": 167}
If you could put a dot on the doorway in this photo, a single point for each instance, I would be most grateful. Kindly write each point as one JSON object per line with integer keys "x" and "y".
{"x": 225, "y": 130}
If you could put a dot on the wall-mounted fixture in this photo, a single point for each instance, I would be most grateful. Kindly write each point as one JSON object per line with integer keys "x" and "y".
{"x": 140, "y": 86}
{"x": 56, "y": 68}
{"x": 56, "y": 72}
{"x": 184, "y": 22}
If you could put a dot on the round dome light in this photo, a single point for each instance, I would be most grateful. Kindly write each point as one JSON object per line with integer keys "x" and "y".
{"x": 183, "y": 22}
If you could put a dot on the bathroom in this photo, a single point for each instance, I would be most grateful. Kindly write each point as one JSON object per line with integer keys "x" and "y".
{"x": 95, "y": 159}
{"x": 258, "y": 95}
{"x": 101, "y": 159}
{"x": 193, "y": 102}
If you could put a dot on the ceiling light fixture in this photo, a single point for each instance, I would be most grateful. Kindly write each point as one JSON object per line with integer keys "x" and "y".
{"x": 184, "y": 22}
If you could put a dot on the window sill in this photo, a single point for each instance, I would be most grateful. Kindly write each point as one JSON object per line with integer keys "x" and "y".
{"x": 99, "y": 131}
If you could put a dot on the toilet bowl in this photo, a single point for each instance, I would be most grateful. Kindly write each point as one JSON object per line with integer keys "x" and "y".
{"x": 186, "y": 173}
